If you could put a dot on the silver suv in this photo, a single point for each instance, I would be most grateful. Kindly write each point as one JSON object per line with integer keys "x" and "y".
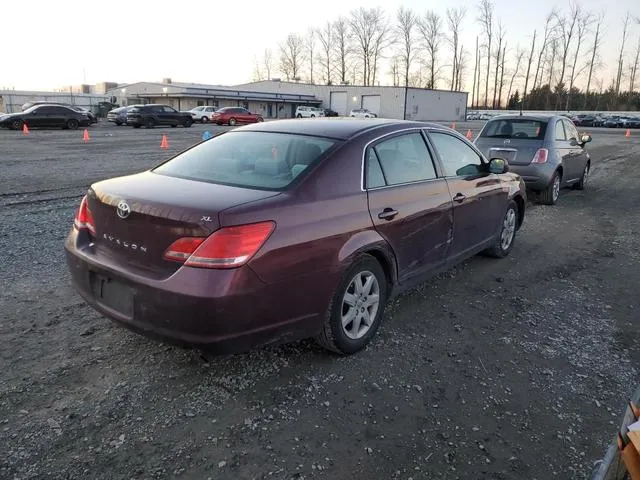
{"x": 309, "y": 112}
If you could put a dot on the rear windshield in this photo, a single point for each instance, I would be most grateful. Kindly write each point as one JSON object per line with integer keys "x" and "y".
{"x": 515, "y": 128}
{"x": 261, "y": 160}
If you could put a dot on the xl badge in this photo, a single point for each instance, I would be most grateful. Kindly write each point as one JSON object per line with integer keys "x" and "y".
{"x": 123, "y": 209}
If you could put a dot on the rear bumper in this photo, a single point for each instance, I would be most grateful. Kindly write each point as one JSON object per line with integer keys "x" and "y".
{"x": 224, "y": 311}
{"x": 535, "y": 176}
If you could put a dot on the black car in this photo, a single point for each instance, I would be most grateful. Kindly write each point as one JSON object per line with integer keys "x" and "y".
{"x": 584, "y": 120}
{"x": 47, "y": 116}
{"x": 152, "y": 114}
{"x": 89, "y": 114}
{"x": 330, "y": 113}
{"x": 633, "y": 122}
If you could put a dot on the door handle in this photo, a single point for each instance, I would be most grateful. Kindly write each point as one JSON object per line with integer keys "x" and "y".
{"x": 459, "y": 198}
{"x": 387, "y": 214}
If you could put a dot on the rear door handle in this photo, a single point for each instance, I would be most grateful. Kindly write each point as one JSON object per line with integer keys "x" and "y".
{"x": 459, "y": 198}
{"x": 387, "y": 214}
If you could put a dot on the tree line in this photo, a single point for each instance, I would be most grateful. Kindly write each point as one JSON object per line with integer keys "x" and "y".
{"x": 426, "y": 50}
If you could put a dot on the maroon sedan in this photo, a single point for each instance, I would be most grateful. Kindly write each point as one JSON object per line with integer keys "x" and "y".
{"x": 289, "y": 229}
{"x": 235, "y": 116}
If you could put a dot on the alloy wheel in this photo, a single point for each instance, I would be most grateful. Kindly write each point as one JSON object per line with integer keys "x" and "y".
{"x": 360, "y": 305}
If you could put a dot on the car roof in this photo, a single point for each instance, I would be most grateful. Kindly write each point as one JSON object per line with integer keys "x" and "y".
{"x": 539, "y": 117}
{"x": 338, "y": 128}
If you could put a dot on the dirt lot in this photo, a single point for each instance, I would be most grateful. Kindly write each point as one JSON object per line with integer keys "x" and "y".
{"x": 510, "y": 369}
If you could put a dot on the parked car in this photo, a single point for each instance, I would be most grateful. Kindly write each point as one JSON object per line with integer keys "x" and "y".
{"x": 633, "y": 122}
{"x": 118, "y": 115}
{"x": 585, "y": 120}
{"x": 285, "y": 230}
{"x": 152, "y": 114}
{"x": 309, "y": 112}
{"x": 234, "y": 116}
{"x": 614, "y": 121}
{"x": 546, "y": 151}
{"x": 330, "y": 113}
{"x": 362, "y": 113}
{"x": 203, "y": 113}
{"x": 77, "y": 108}
{"x": 47, "y": 116}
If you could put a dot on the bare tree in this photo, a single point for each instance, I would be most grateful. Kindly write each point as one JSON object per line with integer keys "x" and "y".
{"x": 486, "y": 21}
{"x": 475, "y": 74}
{"x": 500, "y": 37}
{"x": 406, "y": 32}
{"x": 502, "y": 62}
{"x": 382, "y": 39}
{"x": 462, "y": 66}
{"x": 526, "y": 78}
{"x": 597, "y": 40}
{"x": 431, "y": 30}
{"x": 326, "y": 40}
{"x": 566, "y": 29}
{"x": 310, "y": 49}
{"x": 292, "y": 56}
{"x": 257, "y": 75}
{"x": 625, "y": 32}
{"x": 549, "y": 31}
{"x": 394, "y": 70}
{"x": 585, "y": 19}
{"x": 455, "y": 16}
{"x": 342, "y": 47}
{"x": 552, "y": 55}
{"x": 267, "y": 62}
{"x": 519, "y": 56}
{"x": 363, "y": 28}
{"x": 634, "y": 67}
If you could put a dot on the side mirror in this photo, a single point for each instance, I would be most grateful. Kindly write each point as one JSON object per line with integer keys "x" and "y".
{"x": 498, "y": 165}
{"x": 586, "y": 138}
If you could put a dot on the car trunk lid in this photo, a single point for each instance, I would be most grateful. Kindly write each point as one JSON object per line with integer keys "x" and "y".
{"x": 514, "y": 151}
{"x": 138, "y": 217}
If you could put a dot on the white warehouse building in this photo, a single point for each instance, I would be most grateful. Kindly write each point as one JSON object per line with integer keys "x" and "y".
{"x": 385, "y": 101}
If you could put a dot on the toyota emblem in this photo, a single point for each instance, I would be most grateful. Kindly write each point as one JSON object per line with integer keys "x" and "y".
{"x": 123, "y": 209}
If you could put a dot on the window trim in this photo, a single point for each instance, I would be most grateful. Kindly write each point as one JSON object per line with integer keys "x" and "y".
{"x": 404, "y": 131}
{"x": 363, "y": 164}
{"x": 485, "y": 161}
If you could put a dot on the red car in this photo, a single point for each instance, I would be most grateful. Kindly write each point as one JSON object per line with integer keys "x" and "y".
{"x": 234, "y": 116}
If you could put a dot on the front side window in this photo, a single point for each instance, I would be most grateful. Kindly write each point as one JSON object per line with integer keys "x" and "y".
{"x": 401, "y": 159}
{"x": 261, "y": 160}
{"x": 458, "y": 158}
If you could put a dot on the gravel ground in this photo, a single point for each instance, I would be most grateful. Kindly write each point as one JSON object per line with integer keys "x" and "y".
{"x": 512, "y": 369}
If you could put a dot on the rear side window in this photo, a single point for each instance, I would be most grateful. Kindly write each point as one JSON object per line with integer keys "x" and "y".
{"x": 560, "y": 134}
{"x": 261, "y": 160}
{"x": 401, "y": 159}
{"x": 515, "y": 128}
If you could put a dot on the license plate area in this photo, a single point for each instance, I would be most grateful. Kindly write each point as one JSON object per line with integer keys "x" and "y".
{"x": 509, "y": 154}
{"x": 112, "y": 294}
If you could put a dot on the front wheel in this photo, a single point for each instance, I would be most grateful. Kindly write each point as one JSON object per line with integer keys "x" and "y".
{"x": 552, "y": 193}
{"x": 187, "y": 123}
{"x": 356, "y": 309}
{"x": 232, "y": 122}
{"x": 260, "y": 119}
{"x": 299, "y": 116}
{"x": 506, "y": 238}
{"x": 72, "y": 124}
{"x": 204, "y": 119}
{"x": 583, "y": 179}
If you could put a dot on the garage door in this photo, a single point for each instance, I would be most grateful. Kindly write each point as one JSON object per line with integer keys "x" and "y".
{"x": 339, "y": 102}
{"x": 371, "y": 103}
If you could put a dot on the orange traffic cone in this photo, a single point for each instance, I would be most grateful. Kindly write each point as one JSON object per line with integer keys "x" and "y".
{"x": 628, "y": 134}
{"x": 85, "y": 136}
{"x": 165, "y": 142}
{"x": 453, "y": 125}
{"x": 25, "y": 129}
{"x": 469, "y": 134}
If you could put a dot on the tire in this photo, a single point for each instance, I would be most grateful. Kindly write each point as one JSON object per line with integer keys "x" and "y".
{"x": 204, "y": 119}
{"x": 187, "y": 123}
{"x": 136, "y": 126}
{"x": 17, "y": 124}
{"x": 507, "y": 236}
{"x": 344, "y": 340}
{"x": 174, "y": 126}
{"x": 260, "y": 119}
{"x": 299, "y": 116}
{"x": 232, "y": 122}
{"x": 313, "y": 116}
{"x": 552, "y": 193}
{"x": 72, "y": 124}
{"x": 149, "y": 122}
{"x": 583, "y": 180}
{"x": 118, "y": 124}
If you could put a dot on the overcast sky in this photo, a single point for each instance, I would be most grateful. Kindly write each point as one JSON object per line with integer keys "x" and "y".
{"x": 49, "y": 44}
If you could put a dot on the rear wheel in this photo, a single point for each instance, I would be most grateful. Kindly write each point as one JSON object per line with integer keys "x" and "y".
{"x": 583, "y": 180}
{"x": 232, "y": 121}
{"x": 356, "y": 309}
{"x": 17, "y": 124}
{"x": 118, "y": 124}
{"x": 506, "y": 238}
{"x": 552, "y": 193}
{"x": 149, "y": 122}
{"x": 72, "y": 124}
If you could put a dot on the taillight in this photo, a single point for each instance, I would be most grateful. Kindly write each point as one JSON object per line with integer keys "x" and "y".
{"x": 84, "y": 218}
{"x": 228, "y": 247}
{"x": 541, "y": 156}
